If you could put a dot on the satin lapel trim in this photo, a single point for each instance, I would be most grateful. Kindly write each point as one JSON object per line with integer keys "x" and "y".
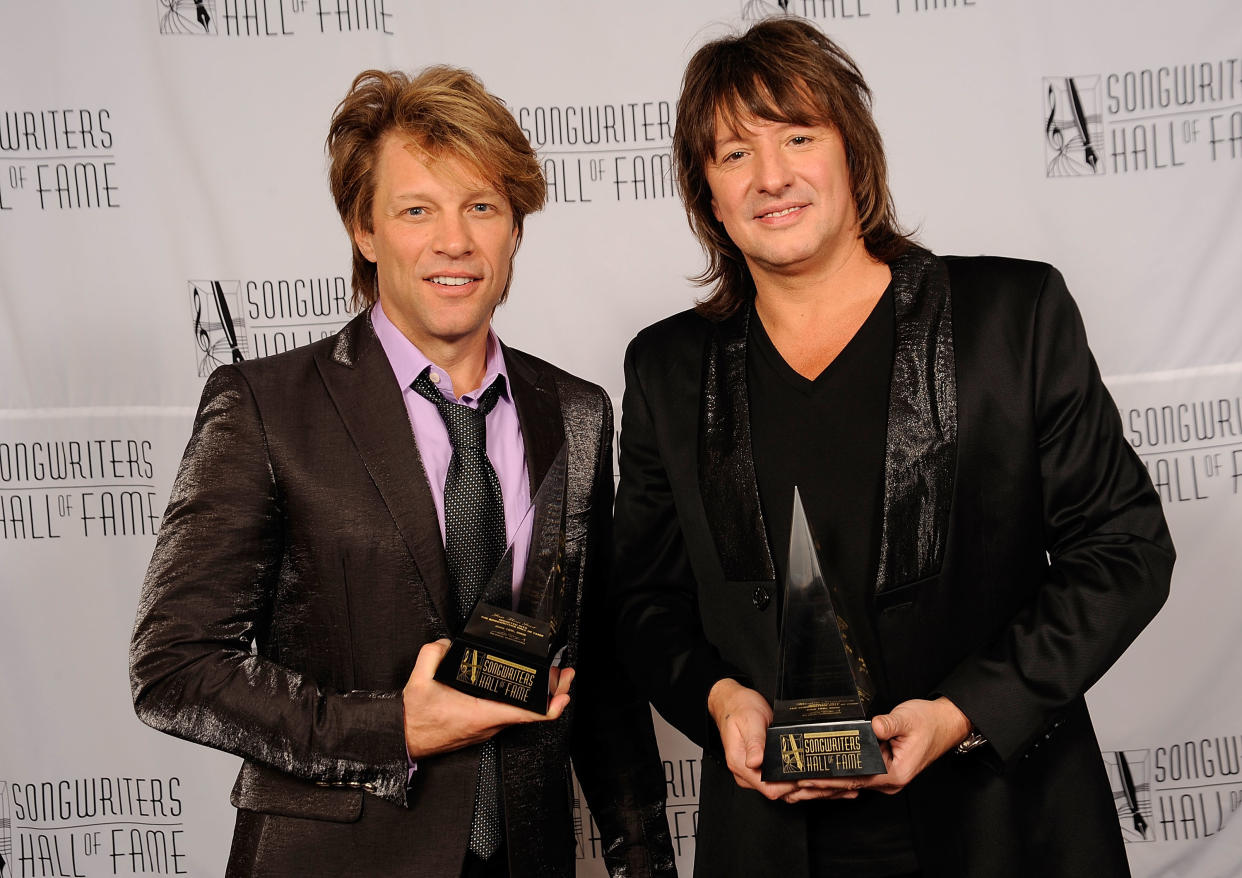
{"x": 727, "y": 480}
{"x": 921, "y": 444}
{"x": 360, "y": 381}
{"x": 539, "y": 415}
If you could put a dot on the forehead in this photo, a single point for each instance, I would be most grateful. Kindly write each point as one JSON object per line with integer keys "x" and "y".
{"x": 751, "y": 107}
{"x": 742, "y": 127}
{"x": 402, "y": 160}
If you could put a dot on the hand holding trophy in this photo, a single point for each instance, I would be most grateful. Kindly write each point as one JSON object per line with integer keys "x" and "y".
{"x": 503, "y": 654}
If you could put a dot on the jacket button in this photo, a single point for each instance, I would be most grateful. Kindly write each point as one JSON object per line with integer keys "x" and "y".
{"x": 761, "y": 598}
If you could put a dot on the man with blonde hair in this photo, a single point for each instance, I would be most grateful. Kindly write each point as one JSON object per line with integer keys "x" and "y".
{"x": 342, "y": 507}
{"x": 991, "y": 538}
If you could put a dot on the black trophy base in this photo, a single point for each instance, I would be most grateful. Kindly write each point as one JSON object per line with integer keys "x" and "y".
{"x": 846, "y": 748}
{"x": 501, "y": 656}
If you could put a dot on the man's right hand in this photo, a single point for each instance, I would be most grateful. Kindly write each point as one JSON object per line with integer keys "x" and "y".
{"x": 439, "y": 718}
{"x": 742, "y": 715}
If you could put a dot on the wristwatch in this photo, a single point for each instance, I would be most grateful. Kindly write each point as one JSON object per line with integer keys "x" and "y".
{"x": 973, "y": 741}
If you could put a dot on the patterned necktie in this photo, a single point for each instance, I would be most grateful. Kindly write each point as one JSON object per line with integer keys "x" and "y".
{"x": 474, "y": 541}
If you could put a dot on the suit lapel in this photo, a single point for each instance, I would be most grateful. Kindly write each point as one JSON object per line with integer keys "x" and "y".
{"x": 360, "y": 381}
{"x": 921, "y": 448}
{"x": 543, "y": 435}
{"x": 727, "y": 480}
{"x": 539, "y": 414}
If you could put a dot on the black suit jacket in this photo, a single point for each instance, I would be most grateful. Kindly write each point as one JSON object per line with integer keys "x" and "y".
{"x": 301, "y": 522}
{"x": 1022, "y": 549}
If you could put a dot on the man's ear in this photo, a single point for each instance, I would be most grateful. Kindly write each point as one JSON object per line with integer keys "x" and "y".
{"x": 363, "y": 239}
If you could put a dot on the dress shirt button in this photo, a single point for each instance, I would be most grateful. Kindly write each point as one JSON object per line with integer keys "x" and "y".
{"x": 760, "y": 598}
{"x": 434, "y": 376}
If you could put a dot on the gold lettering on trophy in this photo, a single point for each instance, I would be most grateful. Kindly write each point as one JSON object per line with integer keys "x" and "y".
{"x": 495, "y": 674}
{"x": 813, "y": 752}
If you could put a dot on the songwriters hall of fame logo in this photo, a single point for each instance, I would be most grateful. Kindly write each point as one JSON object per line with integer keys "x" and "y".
{"x": 191, "y": 17}
{"x": 1073, "y": 126}
{"x": 1129, "y": 774}
{"x": 219, "y": 324}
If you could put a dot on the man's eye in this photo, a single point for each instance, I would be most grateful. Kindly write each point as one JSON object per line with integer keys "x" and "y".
{"x": 799, "y": 139}
{"x": 482, "y": 208}
{"x": 415, "y": 211}
{"x": 732, "y": 156}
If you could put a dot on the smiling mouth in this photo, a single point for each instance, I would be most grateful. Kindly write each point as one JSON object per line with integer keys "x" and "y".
{"x": 446, "y": 281}
{"x": 778, "y": 213}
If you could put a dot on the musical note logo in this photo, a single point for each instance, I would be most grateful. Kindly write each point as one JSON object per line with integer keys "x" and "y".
{"x": 187, "y": 17}
{"x": 1073, "y": 126}
{"x": 1129, "y": 774}
{"x": 219, "y": 325}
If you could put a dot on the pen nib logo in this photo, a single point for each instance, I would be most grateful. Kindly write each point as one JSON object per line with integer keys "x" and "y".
{"x": 187, "y": 17}
{"x": 754, "y": 10}
{"x": 1129, "y": 774}
{"x": 1073, "y": 126}
{"x": 219, "y": 326}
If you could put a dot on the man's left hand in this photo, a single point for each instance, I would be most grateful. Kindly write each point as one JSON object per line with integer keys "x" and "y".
{"x": 912, "y": 736}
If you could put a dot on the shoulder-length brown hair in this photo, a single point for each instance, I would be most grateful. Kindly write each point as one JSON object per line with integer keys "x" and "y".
{"x": 448, "y": 113}
{"x": 782, "y": 70}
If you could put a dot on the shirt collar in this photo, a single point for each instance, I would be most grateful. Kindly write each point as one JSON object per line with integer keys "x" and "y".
{"x": 408, "y": 362}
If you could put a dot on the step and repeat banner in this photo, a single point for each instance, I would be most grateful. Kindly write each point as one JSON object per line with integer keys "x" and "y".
{"x": 162, "y": 176}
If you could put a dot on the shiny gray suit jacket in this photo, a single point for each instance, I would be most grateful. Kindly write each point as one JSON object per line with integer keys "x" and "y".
{"x": 301, "y": 522}
{"x": 1022, "y": 549}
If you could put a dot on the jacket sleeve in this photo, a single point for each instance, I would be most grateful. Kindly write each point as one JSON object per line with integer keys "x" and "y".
{"x": 195, "y": 670}
{"x": 614, "y": 747}
{"x": 654, "y": 589}
{"x": 1109, "y": 550}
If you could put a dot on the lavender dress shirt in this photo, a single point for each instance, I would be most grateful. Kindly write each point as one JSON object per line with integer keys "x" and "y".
{"x": 505, "y": 447}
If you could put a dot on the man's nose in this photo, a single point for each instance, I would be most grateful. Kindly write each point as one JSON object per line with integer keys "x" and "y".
{"x": 773, "y": 173}
{"x": 453, "y": 237}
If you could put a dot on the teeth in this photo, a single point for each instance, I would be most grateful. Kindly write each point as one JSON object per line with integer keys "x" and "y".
{"x": 451, "y": 281}
{"x": 784, "y": 212}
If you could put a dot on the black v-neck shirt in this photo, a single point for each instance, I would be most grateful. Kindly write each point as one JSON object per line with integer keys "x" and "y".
{"x": 826, "y": 436}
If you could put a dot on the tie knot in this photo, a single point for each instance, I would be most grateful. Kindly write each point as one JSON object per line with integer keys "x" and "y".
{"x": 467, "y": 427}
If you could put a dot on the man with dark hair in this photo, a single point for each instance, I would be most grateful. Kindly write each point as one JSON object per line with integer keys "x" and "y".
{"x": 995, "y": 542}
{"x": 338, "y": 512}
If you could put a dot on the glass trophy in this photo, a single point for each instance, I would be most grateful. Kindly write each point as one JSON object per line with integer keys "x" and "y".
{"x": 820, "y": 726}
{"x": 504, "y": 654}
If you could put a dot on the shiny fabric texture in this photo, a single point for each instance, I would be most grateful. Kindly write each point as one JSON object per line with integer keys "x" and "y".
{"x": 726, "y": 465}
{"x": 921, "y": 448}
{"x": 1025, "y": 549}
{"x": 300, "y": 521}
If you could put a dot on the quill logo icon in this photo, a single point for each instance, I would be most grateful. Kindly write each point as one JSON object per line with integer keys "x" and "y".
{"x": 1129, "y": 774}
{"x": 188, "y": 17}
{"x": 1073, "y": 126}
{"x": 219, "y": 324}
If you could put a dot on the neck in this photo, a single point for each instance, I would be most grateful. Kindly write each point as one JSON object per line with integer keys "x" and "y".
{"x": 838, "y": 283}
{"x": 464, "y": 359}
{"x": 811, "y": 317}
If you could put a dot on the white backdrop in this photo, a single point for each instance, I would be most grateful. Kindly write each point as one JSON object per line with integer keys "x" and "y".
{"x": 145, "y": 158}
